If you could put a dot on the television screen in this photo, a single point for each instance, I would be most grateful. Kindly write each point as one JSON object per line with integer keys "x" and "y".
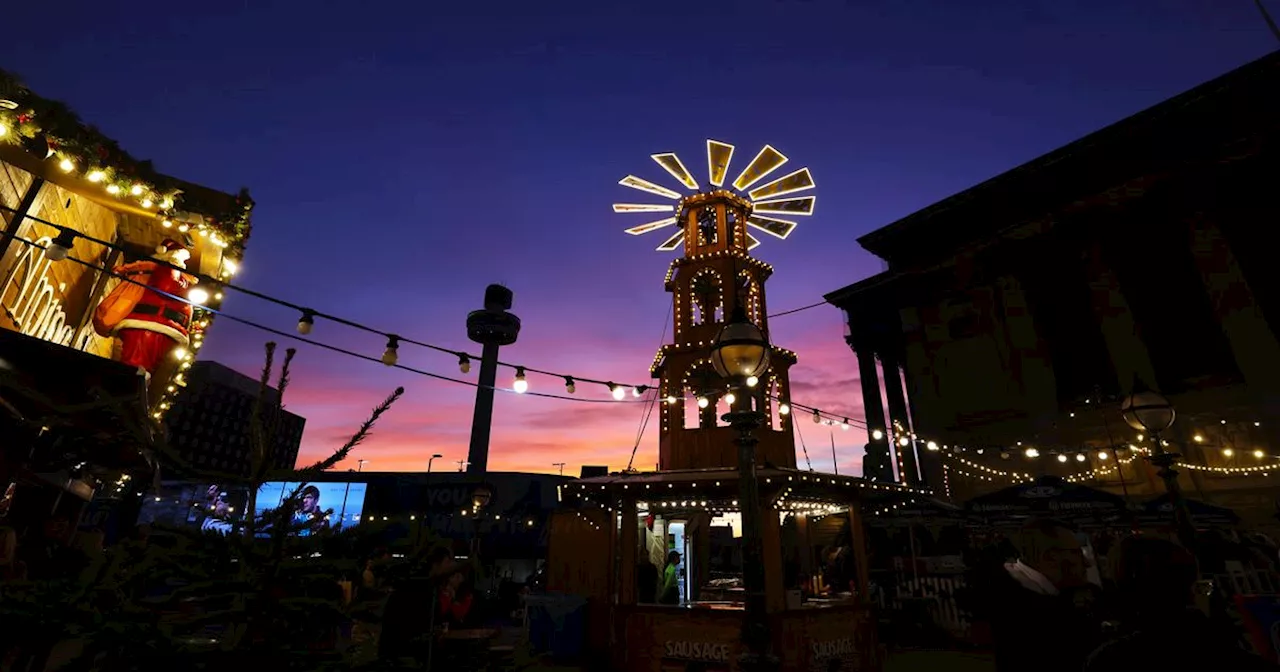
{"x": 319, "y": 506}
{"x": 218, "y": 508}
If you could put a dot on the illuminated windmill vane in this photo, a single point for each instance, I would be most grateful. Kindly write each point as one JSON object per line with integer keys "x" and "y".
{"x": 706, "y": 216}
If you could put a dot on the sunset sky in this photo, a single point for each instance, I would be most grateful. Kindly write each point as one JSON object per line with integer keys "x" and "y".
{"x": 403, "y": 155}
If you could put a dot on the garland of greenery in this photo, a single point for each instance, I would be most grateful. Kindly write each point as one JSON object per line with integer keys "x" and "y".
{"x": 49, "y": 128}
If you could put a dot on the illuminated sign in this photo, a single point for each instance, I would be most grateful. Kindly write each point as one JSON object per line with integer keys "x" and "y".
{"x": 709, "y": 652}
{"x": 33, "y": 300}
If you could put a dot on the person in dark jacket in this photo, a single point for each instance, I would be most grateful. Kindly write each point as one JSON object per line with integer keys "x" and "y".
{"x": 1039, "y": 621}
{"x": 408, "y": 616}
{"x": 1155, "y": 579}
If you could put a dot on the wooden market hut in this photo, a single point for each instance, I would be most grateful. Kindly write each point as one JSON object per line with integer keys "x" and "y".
{"x": 613, "y": 525}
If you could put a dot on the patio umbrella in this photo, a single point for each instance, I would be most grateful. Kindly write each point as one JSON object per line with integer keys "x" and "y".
{"x": 1047, "y": 496}
{"x": 1160, "y": 510}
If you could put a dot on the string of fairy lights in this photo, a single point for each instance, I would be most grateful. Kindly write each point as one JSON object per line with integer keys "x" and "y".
{"x": 59, "y": 248}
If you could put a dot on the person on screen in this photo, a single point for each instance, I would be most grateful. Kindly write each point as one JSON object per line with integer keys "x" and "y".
{"x": 309, "y": 515}
{"x": 221, "y": 510}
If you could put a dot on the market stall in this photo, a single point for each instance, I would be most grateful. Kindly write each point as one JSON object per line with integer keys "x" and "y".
{"x": 816, "y": 587}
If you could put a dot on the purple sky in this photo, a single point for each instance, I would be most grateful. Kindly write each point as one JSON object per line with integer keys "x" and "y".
{"x": 404, "y": 155}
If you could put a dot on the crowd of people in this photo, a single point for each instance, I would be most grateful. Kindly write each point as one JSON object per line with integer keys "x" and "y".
{"x": 1049, "y": 612}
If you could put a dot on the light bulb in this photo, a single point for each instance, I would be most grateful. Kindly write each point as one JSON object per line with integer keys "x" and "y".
{"x": 179, "y": 353}
{"x": 671, "y": 400}
{"x": 136, "y": 190}
{"x": 521, "y": 384}
{"x": 618, "y": 393}
{"x": 197, "y": 296}
{"x": 1197, "y": 438}
{"x": 3, "y": 130}
{"x": 1080, "y": 457}
{"x": 703, "y": 402}
{"x": 1102, "y": 455}
{"x": 1032, "y": 453}
{"x": 230, "y": 266}
{"x": 637, "y": 391}
{"x": 1062, "y": 458}
{"x": 392, "y": 354}
{"x": 306, "y": 322}
{"x": 784, "y": 409}
{"x": 97, "y": 176}
{"x": 845, "y": 425}
{"x": 903, "y": 441}
{"x": 817, "y": 417}
{"x": 146, "y": 203}
{"x": 730, "y": 398}
{"x": 932, "y": 445}
{"x": 569, "y": 385}
{"x": 60, "y": 247}
{"x": 1259, "y": 454}
{"x": 464, "y": 363}
{"x": 1228, "y": 452}
{"x": 877, "y": 435}
{"x": 183, "y": 228}
{"x": 66, "y": 165}
{"x": 113, "y": 189}
{"x": 752, "y": 380}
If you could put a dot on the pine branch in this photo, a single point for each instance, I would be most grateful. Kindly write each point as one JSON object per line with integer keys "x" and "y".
{"x": 356, "y": 439}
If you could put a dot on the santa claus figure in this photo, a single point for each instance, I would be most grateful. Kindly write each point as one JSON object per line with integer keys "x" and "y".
{"x": 149, "y": 321}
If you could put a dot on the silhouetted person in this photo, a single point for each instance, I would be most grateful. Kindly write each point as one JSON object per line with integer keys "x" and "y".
{"x": 647, "y": 582}
{"x": 1037, "y": 621}
{"x": 1155, "y": 580}
{"x": 407, "y": 617}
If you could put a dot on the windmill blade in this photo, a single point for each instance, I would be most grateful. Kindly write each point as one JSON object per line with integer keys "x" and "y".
{"x": 787, "y": 206}
{"x": 642, "y": 207}
{"x": 719, "y": 154}
{"x": 800, "y": 180}
{"x": 673, "y": 242}
{"x": 645, "y": 185}
{"x": 767, "y": 161}
{"x": 752, "y": 242}
{"x": 779, "y": 228}
{"x": 672, "y": 164}
{"x": 651, "y": 226}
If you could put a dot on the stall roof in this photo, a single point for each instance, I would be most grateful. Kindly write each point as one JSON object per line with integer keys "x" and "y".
{"x": 101, "y": 402}
{"x": 721, "y": 485}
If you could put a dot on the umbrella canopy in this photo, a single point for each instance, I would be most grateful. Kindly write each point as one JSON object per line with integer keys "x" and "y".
{"x": 1160, "y": 510}
{"x": 1046, "y": 496}
{"x": 928, "y": 511}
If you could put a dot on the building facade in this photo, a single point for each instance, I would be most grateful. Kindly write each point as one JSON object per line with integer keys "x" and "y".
{"x": 211, "y": 422}
{"x": 1019, "y": 312}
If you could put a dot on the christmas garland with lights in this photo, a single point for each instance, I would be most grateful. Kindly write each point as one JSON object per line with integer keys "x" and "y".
{"x": 50, "y": 128}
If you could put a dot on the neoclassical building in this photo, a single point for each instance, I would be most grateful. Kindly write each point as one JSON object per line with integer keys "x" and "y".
{"x": 1021, "y": 310}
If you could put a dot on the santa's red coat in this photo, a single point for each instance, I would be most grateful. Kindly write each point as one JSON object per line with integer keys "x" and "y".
{"x": 157, "y": 312}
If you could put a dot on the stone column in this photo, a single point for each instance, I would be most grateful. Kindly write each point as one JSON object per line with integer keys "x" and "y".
{"x": 898, "y": 415}
{"x": 875, "y": 464}
{"x": 1256, "y": 350}
{"x": 1129, "y": 356}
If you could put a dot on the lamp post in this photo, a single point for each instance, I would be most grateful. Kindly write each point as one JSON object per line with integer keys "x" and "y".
{"x": 360, "y": 465}
{"x": 432, "y": 459}
{"x": 740, "y": 354}
{"x": 481, "y": 495}
{"x": 1150, "y": 412}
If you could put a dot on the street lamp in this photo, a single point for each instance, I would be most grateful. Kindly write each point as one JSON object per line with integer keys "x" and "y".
{"x": 740, "y": 352}
{"x": 1150, "y": 412}
{"x": 432, "y": 459}
{"x": 481, "y": 495}
{"x": 360, "y": 465}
